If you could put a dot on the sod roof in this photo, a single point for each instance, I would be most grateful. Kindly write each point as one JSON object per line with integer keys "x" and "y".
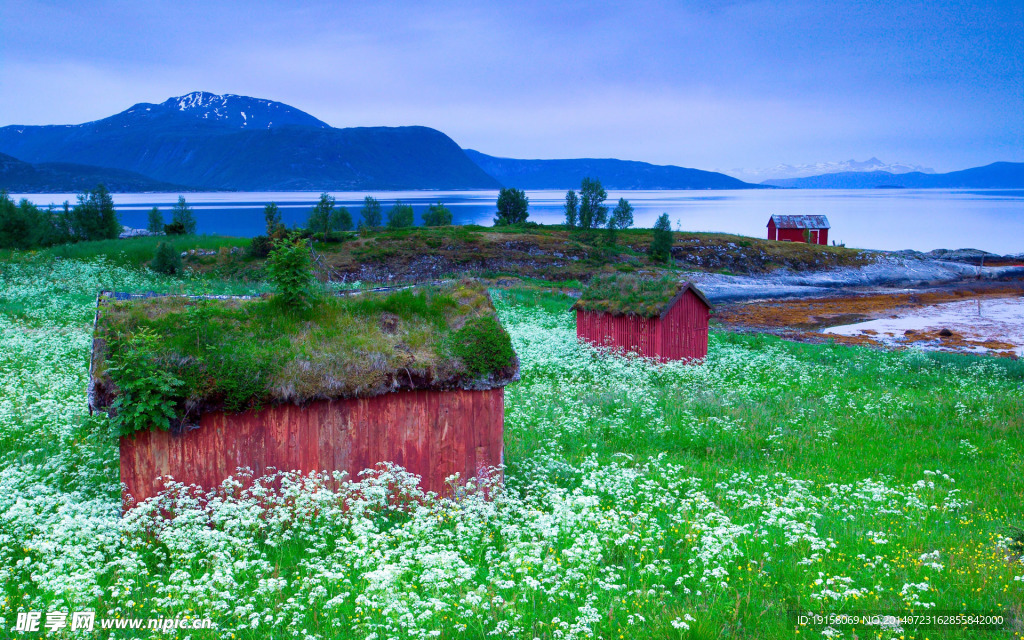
{"x": 622, "y": 295}
{"x": 234, "y": 354}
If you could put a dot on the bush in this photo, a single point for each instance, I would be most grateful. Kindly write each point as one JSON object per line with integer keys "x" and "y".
{"x": 166, "y": 261}
{"x": 94, "y": 218}
{"x": 260, "y": 247}
{"x": 370, "y": 214}
{"x": 175, "y": 229}
{"x": 291, "y": 270}
{"x": 181, "y": 214}
{"x": 148, "y": 393}
{"x": 483, "y": 346}
{"x": 513, "y": 206}
{"x": 661, "y": 245}
{"x": 155, "y": 222}
{"x": 341, "y": 219}
{"x": 400, "y": 216}
{"x": 437, "y": 215}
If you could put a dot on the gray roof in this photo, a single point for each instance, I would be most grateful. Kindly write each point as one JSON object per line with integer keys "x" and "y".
{"x": 801, "y": 222}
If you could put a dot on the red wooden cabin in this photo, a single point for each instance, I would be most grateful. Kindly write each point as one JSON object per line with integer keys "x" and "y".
{"x": 672, "y": 326}
{"x": 799, "y": 229}
{"x": 434, "y": 419}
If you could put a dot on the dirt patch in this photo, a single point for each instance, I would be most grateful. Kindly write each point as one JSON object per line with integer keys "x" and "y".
{"x": 820, "y": 313}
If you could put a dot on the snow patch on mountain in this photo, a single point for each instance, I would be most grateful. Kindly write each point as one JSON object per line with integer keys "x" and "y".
{"x": 783, "y": 171}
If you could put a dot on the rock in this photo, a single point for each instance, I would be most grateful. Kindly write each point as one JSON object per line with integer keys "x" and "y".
{"x": 128, "y": 232}
{"x": 946, "y": 333}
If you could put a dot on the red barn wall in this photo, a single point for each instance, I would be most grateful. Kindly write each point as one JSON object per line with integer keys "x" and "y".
{"x": 797, "y": 235}
{"x": 685, "y": 329}
{"x": 680, "y": 333}
{"x": 772, "y": 234}
{"x": 431, "y": 433}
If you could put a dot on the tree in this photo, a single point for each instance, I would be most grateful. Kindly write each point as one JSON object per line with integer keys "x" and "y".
{"x": 370, "y": 214}
{"x": 272, "y": 216}
{"x": 621, "y": 218}
{"x": 572, "y": 213}
{"x": 437, "y": 215}
{"x": 166, "y": 261}
{"x": 155, "y": 224}
{"x": 661, "y": 245}
{"x": 320, "y": 216}
{"x": 181, "y": 214}
{"x": 400, "y": 215}
{"x": 26, "y": 226}
{"x": 94, "y": 217}
{"x": 291, "y": 271}
{"x": 593, "y": 211}
{"x": 513, "y": 207}
{"x": 341, "y": 219}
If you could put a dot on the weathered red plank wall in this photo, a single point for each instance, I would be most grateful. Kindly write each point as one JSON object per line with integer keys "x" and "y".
{"x": 431, "y": 433}
{"x": 680, "y": 333}
{"x": 818, "y": 236}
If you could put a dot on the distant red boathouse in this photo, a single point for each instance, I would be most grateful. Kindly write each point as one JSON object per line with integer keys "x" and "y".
{"x": 394, "y": 391}
{"x": 812, "y": 229}
{"x": 660, "y": 319}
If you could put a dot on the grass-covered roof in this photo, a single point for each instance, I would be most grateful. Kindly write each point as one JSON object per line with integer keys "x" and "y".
{"x": 633, "y": 295}
{"x": 237, "y": 354}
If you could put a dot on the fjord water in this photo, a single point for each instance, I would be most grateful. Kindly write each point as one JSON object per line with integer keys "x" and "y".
{"x": 923, "y": 219}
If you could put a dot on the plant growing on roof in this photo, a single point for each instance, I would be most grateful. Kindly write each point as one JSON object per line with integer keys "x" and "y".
{"x": 483, "y": 346}
{"x": 291, "y": 270}
{"x": 148, "y": 392}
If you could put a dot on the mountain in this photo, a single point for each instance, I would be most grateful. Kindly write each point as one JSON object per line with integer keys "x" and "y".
{"x": 60, "y": 177}
{"x": 998, "y": 175}
{"x": 236, "y": 142}
{"x": 614, "y": 174}
{"x": 785, "y": 171}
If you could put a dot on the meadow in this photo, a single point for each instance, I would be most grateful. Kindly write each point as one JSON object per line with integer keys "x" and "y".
{"x": 640, "y": 500}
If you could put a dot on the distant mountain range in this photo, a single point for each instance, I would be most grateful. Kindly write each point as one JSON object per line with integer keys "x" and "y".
{"x": 614, "y": 174}
{"x": 998, "y": 175}
{"x": 229, "y": 142}
{"x": 785, "y": 171}
{"x": 61, "y": 177}
{"x": 234, "y": 142}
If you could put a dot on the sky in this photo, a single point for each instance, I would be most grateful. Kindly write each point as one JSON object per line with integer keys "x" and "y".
{"x": 713, "y": 84}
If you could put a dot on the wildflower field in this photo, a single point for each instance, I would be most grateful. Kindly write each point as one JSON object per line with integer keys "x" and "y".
{"x": 641, "y": 500}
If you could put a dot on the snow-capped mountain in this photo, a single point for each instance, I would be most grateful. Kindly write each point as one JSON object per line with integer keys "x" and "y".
{"x": 226, "y": 111}
{"x": 785, "y": 171}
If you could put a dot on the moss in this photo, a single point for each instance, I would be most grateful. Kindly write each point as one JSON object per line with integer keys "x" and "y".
{"x": 234, "y": 354}
{"x": 483, "y": 346}
{"x": 629, "y": 295}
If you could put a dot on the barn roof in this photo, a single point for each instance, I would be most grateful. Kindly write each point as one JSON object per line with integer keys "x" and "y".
{"x": 801, "y": 222}
{"x": 234, "y": 352}
{"x": 633, "y": 295}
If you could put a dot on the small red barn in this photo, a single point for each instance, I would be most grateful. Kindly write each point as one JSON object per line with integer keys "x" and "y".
{"x": 799, "y": 229}
{"x": 413, "y": 377}
{"x": 656, "y": 318}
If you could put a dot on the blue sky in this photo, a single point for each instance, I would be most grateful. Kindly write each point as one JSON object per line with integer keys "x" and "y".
{"x": 713, "y": 84}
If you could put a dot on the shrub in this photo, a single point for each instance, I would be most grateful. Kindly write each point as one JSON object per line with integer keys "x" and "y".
{"x": 155, "y": 223}
{"x": 181, "y": 214}
{"x": 437, "y": 215}
{"x": 513, "y": 207}
{"x": 661, "y": 245}
{"x": 175, "y": 229}
{"x": 370, "y": 214}
{"x": 272, "y": 217}
{"x": 291, "y": 270}
{"x": 148, "y": 391}
{"x": 341, "y": 219}
{"x": 483, "y": 346}
{"x": 166, "y": 261}
{"x": 400, "y": 215}
{"x": 260, "y": 247}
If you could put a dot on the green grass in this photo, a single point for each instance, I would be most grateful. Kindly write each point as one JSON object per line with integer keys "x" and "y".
{"x": 773, "y": 476}
{"x": 621, "y": 295}
{"x": 138, "y": 251}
